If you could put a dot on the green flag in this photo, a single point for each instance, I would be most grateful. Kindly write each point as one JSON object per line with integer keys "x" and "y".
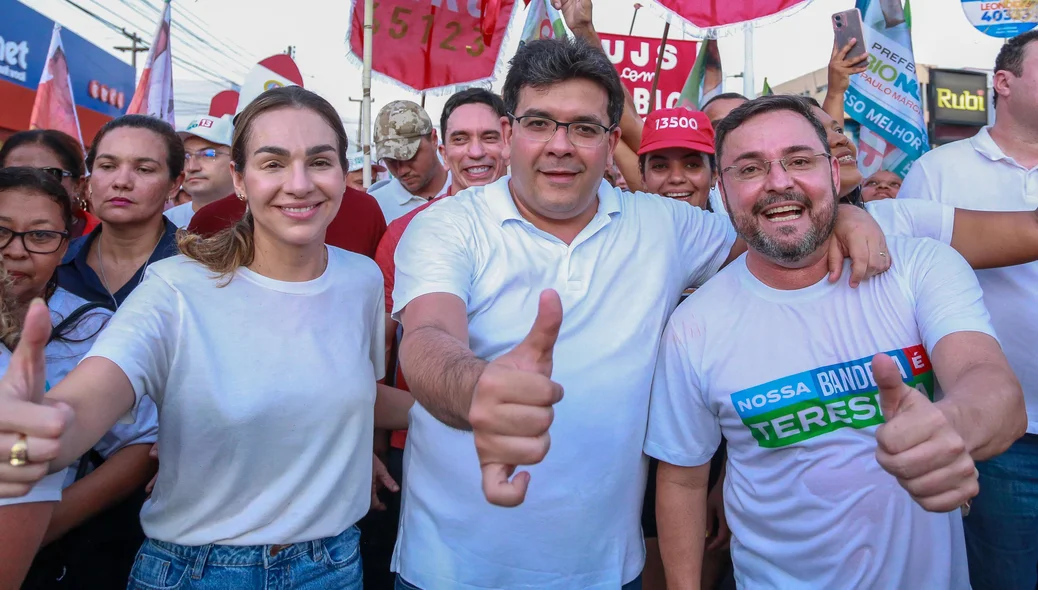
{"x": 767, "y": 91}
{"x": 706, "y": 78}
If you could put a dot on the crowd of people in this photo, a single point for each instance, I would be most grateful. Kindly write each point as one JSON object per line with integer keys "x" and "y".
{"x": 556, "y": 347}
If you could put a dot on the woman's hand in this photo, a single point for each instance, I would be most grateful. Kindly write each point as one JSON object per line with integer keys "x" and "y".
{"x": 30, "y": 429}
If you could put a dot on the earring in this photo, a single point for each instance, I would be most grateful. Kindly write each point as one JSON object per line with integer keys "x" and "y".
{"x": 241, "y": 197}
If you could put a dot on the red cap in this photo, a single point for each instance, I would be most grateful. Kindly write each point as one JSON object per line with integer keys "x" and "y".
{"x": 677, "y": 127}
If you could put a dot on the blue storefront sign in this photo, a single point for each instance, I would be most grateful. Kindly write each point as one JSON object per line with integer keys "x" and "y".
{"x": 100, "y": 81}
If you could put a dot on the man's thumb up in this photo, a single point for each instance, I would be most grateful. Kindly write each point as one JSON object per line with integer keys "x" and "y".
{"x": 535, "y": 352}
{"x": 894, "y": 394}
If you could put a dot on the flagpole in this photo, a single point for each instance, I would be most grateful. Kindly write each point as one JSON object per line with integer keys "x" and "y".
{"x": 659, "y": 66}
{"x": 365, "y": 105}
{"x": 748, "y": 86}
{"x": 637, "y": 7}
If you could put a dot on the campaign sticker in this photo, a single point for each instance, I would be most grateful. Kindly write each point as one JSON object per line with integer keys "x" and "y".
{"x": 1001, "y": 18}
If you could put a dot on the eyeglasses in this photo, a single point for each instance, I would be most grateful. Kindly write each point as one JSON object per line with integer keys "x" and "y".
{"x": 750, "y": 170}
{"x": 208, "y": 154}
{"x": 37, "y": 241}
{"x": 57, "y": 173}
{"x": 582, "y": 134}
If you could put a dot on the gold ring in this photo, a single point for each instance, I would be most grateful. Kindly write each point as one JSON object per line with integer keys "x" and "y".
{"x": 19, "y": 452}
{"x": 883, "y": 254}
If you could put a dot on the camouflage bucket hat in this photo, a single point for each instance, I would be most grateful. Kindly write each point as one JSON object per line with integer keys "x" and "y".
{"x": 399, "y": 128}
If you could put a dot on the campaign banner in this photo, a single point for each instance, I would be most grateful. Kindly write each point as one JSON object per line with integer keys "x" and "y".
{"x": 885, "y": 99}
{"x": 154, "y": 94}
{"x": 1001, "y": 18}
{"x": 55, "y": 107}
{"x": 429, "y": 44}
{"x": 635, "y": 59}
{"x": 812, "y": 403}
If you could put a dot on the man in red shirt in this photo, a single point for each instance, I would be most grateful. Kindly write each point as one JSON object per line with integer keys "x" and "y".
{"x": 357, "y": 227}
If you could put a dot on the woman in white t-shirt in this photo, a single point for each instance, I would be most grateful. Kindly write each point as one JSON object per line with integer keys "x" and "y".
{"x": 261, "y": 347}
{"x": 35, "y": 216}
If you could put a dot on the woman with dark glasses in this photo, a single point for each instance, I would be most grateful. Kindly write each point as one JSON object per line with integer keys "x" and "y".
{"x": 85, "y": 517}
{"x": 60, "y": 156}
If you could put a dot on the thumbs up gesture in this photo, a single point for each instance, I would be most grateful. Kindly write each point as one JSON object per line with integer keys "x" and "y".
{"x": 919, "y": 446}
{"x": 29, "y": 430}
{"x": 511, "y": 407}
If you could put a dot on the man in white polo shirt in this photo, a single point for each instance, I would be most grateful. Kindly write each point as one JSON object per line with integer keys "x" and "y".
{"x": 998, "y": 170}
{"x": 405, "y": 141}
{"x": 207, "y": 169}
{"x": 842, "y": 474}
{"x": 470, "y": 275}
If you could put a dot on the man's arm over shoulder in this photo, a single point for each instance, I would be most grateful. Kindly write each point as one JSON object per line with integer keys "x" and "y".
{"x": 983, "y": 399}
{"x": 434, "y": 269}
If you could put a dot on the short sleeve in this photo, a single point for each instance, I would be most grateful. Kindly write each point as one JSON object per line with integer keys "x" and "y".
{"x": 47, "y": 489}
{"x": 682, "y": 428}
{"x": 705, "y": 240}
{"x": 917, "y": 184}
{"x": 948, "y": 297}
{"x": 142, "y": 338}
{"x": 433, "y": 256}
{"x": 914, "y": 218}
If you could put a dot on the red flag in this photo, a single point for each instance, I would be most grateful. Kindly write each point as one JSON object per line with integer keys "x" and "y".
{"x": 154, "y": 94}
{"x": 55, "y": 107}
{"x": 425, "y": 46}
{"x": 707, "y": 14}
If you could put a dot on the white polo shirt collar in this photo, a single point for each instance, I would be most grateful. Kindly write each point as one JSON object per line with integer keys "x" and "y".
{"x": 501, "y": 204}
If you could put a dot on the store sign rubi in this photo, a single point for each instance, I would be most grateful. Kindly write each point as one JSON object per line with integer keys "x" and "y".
{"x": 958, "y": 97}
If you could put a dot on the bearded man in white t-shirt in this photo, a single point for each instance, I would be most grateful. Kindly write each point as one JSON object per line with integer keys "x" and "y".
{"x": 842, "y": 473}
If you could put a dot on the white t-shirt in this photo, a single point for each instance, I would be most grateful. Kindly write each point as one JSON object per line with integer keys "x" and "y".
{"x": 266, "y": 395}
{"x": 395, "y": 201}
{"x": 975, "y": 173}
{"x": 181, "y": 214}
{"x": 580, "y": 526}
{"x": 913, "y": 218}
{"x": 62, "y": 356}
{"x": 786, "y": 377}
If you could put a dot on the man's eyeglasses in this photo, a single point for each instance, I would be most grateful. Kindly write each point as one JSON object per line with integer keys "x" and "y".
{"x": 57, "y": 173}
{"x": 750, "y": 170}
{"x": 207, "y": 155}
{"x": 582, "y": 134}
{"x": 37, "y": 241}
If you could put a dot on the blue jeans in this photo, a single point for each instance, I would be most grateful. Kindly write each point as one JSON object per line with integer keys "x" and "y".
{"x": 1002, "y": 526}
{"x": 326, "y": 564}
{"x": 402, "y": 584}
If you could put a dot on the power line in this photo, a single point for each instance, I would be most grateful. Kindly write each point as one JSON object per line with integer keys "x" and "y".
{"x": 185, "y": 45}
{"x": 179, "y": 26}
{"x": 197, "y": 21}
{"x": 191, "y": 67}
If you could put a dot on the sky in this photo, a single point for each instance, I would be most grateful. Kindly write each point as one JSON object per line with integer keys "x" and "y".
{"x": 238, "y": 33}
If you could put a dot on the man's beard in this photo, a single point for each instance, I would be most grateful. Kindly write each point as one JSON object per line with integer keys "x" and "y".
{"x": 823, "y": 220}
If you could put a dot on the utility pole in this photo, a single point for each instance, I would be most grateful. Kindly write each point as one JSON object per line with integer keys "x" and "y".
{"x": 134, "y": 48}
{"x": 360, "y": 122}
